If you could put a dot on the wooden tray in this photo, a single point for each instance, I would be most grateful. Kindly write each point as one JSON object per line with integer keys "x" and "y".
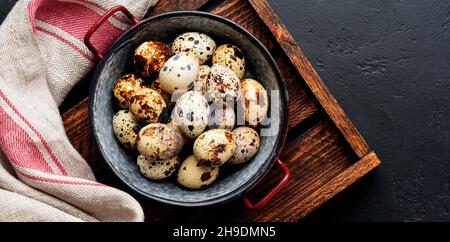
{"x": 324, "y": 150}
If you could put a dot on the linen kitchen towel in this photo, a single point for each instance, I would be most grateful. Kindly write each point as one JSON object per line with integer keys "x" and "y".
{"x": 42, "y": 56}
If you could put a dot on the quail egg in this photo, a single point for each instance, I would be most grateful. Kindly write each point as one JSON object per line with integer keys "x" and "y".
{"x": 126, "y": 128}
{"x": 149, "y": 57}
{"x": 125, "y": 88}
{"x": 214, "y": 147}
{"x": 191, "y": 113}
{"x": 156, "y": 85}
{"x": 200, "y": 44}
{"x": 221, "y": 117}
{"x": 222, "y": 84}
{"x": 157, "y": 169}
{"x": 194, "y": 175}
{"x": 202, "y": 78}
{"x": 253, "y": 101}
{"x": 172, "y": 124}
{"x": 179, "y": 72}
{"x": 159, "y": 142}
{"x": 147, "y": 105}
{"x": 247, "y": 140}
{"x": 230, "y": 56}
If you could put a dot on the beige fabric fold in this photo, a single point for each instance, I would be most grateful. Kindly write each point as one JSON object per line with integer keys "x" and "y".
{"x": 42, "y": 56}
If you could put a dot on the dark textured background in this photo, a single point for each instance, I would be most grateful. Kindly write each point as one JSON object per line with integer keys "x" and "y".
{"x": 388, "y": 65}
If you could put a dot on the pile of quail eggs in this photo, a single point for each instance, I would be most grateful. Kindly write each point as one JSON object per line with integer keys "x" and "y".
{"x": 178, "y": 99}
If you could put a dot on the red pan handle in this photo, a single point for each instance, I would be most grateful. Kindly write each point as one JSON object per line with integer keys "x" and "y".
{"x": 98, "y": 23}
{"x": 274, "y": 191}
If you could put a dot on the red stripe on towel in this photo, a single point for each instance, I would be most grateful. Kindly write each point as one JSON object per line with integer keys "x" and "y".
{"x": 33, "y": 5}
{"x": 75, "y": 20}
{"x": 18, "y": 145}
{"x": 67, "y": 42}
{"x": 44, "y": 143}
{"x": 52, "y": 180}
{"x": 115, "y": 16}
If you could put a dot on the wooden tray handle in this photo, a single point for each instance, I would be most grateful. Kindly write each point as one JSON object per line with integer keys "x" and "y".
{"x": 274, "y": 191}
{"x": 98, "y": 23}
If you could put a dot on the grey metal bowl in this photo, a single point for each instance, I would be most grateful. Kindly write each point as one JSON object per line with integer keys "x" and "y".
{"x": 232, "y": 181}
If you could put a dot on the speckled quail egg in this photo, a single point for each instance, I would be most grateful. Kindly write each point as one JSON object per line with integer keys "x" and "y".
{"x": 247, "y": 140}
{"x": 157, "y": 169}
{"x": 221, "y": 117}
{"x": 200, "y": 44}
{"x": 179, "y": 72}
{"x": 194, "y": 175}
{"x": 253, "y": 101}
{"x": 230, "y": 56}
{"x": 125, "y": 88}
{"x": 156, "y": 85}
{"x": 191, "y": 113}
{"x": 126, "y": 128}
{"x": 222, "y": 84}
{"x": 149, "y": 57}
{"x": 159, "y": 142}
{"x": 147, "y": 105}
{"x": 214, "y": 147}
{"x": 202, "y": 78}
{"x": 172, "y": 124}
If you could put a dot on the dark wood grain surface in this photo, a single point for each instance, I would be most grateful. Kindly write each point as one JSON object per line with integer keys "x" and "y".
{"x": 166, "y": 6}
{"x": 324, "y": 151}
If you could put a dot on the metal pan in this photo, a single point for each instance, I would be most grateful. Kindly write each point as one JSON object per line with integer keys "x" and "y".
{"x": 232, "y": 182}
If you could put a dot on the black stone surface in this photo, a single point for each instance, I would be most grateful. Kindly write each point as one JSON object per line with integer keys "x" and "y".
{"x": 5, "y": 7}
{"x": 388, "y": 65}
